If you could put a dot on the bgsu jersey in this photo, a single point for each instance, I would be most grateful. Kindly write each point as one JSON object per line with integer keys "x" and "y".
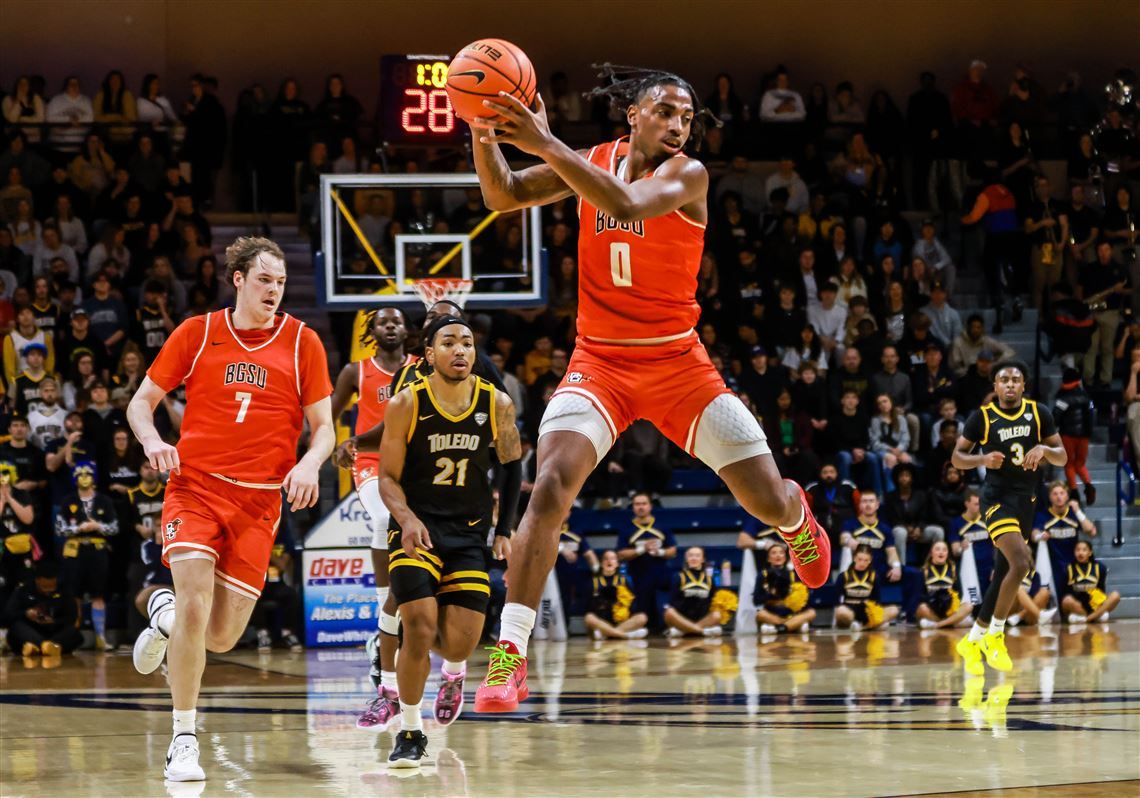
{"x": 374, "y": 387}
{"x": 246, "y": 391}
{"x": 637, "y": 280}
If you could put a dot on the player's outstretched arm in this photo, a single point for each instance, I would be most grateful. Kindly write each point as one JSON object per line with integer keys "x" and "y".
{"x": 302, "y": 483}
{"x": 678, "y": 183}
{"x": 393, "y": 450}
{"x": 140, "y": 415}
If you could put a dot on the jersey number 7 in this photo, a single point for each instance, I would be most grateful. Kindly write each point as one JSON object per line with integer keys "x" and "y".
{"x": 245, "y": 398}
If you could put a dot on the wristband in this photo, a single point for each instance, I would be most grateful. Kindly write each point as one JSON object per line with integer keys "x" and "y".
{"x": 1081, "y": 516}
{"x": 595, "y": 568}
{"x": 640, "y": 548}
{"x": 896, "y": 565}
{"x": 758, "y": 545}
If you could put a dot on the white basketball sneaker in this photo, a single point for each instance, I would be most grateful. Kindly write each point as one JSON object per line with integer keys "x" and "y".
{"x": 150, "y": 647}
{"x": 182, "y": 759}
{"x": 150, "y": 650}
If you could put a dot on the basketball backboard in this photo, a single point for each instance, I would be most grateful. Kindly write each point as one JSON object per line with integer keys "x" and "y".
{"x": 382, "y": 233}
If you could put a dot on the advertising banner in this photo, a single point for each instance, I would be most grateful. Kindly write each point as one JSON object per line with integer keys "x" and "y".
{"x": 340, "y": 597}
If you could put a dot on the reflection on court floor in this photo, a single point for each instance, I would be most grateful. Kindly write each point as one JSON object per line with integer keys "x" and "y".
{"x": 826, "y": 714}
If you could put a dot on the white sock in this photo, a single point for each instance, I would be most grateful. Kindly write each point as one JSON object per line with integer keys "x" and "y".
{"x": 796, "y": 526}
{"x": 160, "y": 608}
{"x": 388, "y": 680}
{"x": 516, "y": 623}
{"x": 454, "y": 668}
{"x": 997, "y": 626}
{"x": 977, "y": 632}
{"x": 410, "y": 719}
{"x": 184, "y": 721}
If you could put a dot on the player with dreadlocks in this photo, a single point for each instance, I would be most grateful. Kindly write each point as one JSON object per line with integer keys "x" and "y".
{"x": 370, "y": 379}
{"x": 642, "y": 207}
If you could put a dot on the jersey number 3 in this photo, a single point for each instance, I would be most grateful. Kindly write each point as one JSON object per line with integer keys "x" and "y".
{"x": 621, "y": 266}
{"x": 1018, "y": 453}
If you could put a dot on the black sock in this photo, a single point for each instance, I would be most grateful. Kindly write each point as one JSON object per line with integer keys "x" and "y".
{"x": 989, "y": 601}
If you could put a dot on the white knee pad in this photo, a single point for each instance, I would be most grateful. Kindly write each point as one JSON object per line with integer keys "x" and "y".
{"x": 726, "y": 433}
{"x": 389, "y": 624}
{"x": 580, "y": 412}
{"x": 369, "y": 494}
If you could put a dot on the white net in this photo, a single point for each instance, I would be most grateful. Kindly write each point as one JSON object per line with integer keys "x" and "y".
{"x": 435, "y": 289}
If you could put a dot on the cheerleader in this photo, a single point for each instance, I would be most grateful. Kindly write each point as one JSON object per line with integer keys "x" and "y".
{"x": 860, "y": 607}
{"x": 1086, "y": 599}
{"x": 690, "y": 610}
{"x": 781, "y": 599}
{"x": 941, "y": 607}
{"x": 1060, "y": 525}
{"x": 611, "y": 612}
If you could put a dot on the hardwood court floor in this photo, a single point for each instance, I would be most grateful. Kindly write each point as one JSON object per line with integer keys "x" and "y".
{"x": 833, "y": 715}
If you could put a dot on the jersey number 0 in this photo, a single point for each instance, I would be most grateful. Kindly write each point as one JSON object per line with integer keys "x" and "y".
{"x": 621, "y": 266}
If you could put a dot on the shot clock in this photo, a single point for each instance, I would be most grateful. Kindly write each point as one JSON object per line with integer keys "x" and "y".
{"x": 414, "y": 107}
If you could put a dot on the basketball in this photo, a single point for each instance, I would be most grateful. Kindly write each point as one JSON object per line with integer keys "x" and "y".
{"x": 482, "y": 70}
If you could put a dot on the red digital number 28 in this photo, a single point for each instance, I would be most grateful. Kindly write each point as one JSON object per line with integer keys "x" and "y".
{"x": 432, "y": 107}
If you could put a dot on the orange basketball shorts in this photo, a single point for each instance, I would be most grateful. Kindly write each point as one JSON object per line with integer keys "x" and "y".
{"x": 668, "y": 384}
{"x": 206, "y": 517}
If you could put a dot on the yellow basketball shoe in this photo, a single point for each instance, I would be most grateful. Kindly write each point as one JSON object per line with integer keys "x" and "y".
{"x": 993, "y": 646}
{"x": 971, "y": 654}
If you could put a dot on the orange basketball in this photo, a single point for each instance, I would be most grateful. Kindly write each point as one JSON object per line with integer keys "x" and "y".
{"x": 482, "y": 70}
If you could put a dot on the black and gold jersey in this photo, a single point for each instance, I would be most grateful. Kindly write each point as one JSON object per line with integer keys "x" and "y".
{"x": 1086, "y": 578}
{"x": 147, "y": 505}
{"x": 1013, "y": 433}
{"x": 152, "y": 330}
{"x": 939, "y": 577}
{"x": 48, "y": 317}
{"x": 606, "y": 587}
{"x": 26, "y": 392}
{"x": 447, "y": 465}
{"x": 409, "y": 374}
{"x": 773, "y": 584}
{"x": 692, "y": 593}
{"x": 860, "y": 586}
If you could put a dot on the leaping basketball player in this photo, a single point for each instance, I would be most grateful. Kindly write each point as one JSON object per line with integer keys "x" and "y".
{"x": 642, "y": 210}
{"x": 371, "y": 380}
{"x": 253, "y": 377}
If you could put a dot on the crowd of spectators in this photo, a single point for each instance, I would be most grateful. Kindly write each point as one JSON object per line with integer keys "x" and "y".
{"x": 831, "y": 314}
